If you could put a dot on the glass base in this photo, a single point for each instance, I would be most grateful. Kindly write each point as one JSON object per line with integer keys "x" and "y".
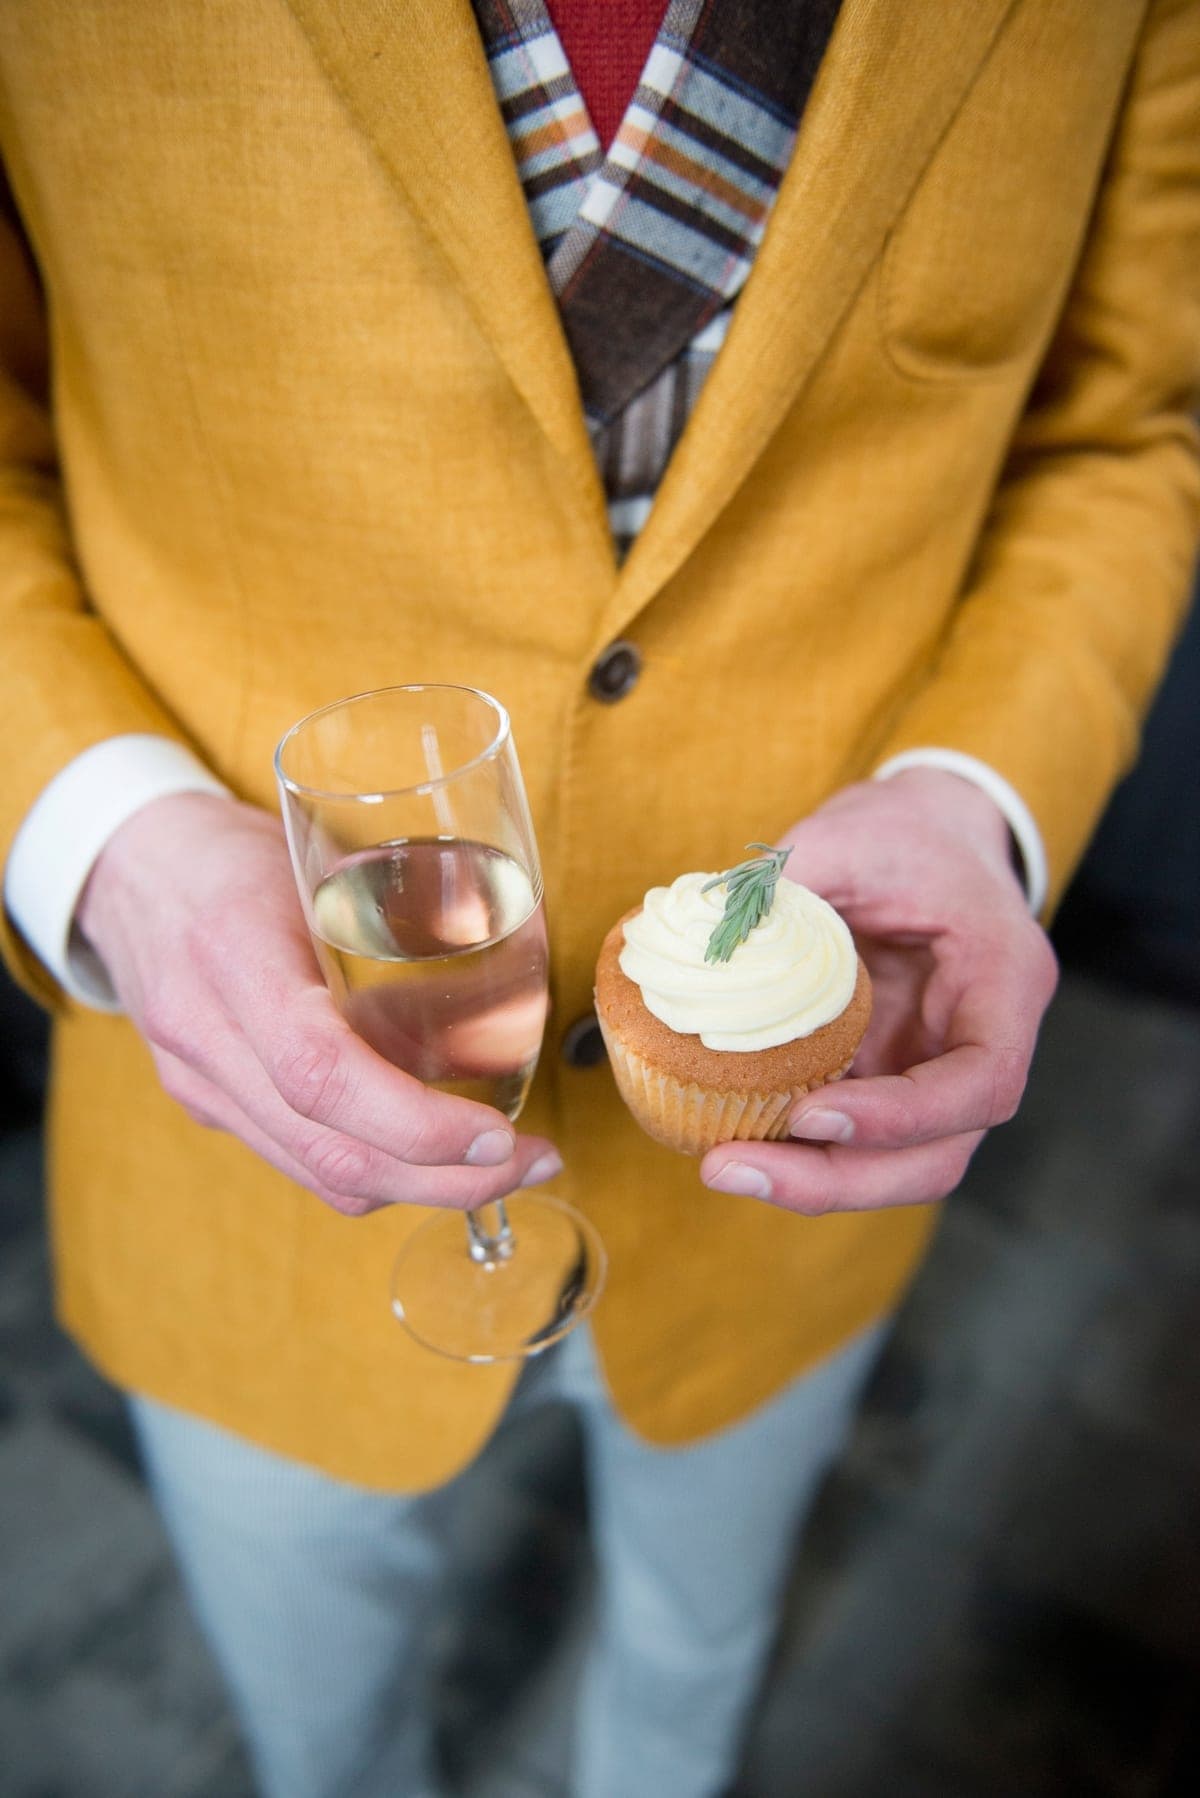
{"x": 506, "y": 1303}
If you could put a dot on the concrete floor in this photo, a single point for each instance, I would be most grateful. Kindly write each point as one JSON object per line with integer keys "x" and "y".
{"x": 999, "y": 1596}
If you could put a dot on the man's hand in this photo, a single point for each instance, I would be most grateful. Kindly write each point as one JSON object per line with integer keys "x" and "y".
{"x": 919, "y": 868}
{"x": 193, "y": 909}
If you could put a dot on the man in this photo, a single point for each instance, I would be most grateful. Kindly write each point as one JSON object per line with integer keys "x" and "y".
{"x": 317, "y": 414}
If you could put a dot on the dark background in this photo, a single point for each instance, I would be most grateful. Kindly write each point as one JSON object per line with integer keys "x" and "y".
{"x": 1000, "y": 1590}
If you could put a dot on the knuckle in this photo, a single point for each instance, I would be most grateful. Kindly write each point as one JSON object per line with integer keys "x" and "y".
{"x": 1047, "y": 968}
{"x": 1042, "y": 964}
{"x": 180, "y": 1084}
{"x": 311, "y": 1076}
{"x": 901, "y": 1116}
{"x": 1008, "y": 1086}
{"x": 458, "y": 1188}
{"x": 951, "y": 1170}
{"x": 814, "y": 1201}
{"x": 340, "y": 1166}
{"x": 163, "y": 1024}
{"x": 458, "y": 1191}
{"x": 177, "y": 1081}
{"x": 346, "y": 1204}
{"x": 174, "y": 1078}
{"x": 202, "y": 1115}
{"x": 207, "y": 944}
{"x": 413, "y": 1138}
{"x": 484, "y": 1188}
{"x": 421, "y": 1138}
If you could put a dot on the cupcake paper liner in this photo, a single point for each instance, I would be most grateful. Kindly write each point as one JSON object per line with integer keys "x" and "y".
{"x": 692, "y": 1118}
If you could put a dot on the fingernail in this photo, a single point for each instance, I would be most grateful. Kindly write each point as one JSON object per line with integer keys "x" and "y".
{"x": 822, "y": 1126}
{"x": 544, "y": 1168}
{"x": 490, "y": 1149}
{"x": 735, "y": 1176}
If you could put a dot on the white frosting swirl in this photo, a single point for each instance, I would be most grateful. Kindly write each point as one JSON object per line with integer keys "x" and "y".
{"x": 796, "y": 970}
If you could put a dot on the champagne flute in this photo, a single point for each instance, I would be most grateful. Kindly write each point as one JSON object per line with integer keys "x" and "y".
{"x": 417, "y": 866}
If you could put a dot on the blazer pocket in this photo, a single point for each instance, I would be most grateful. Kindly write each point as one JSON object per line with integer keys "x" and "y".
{"x": 975, "y": 272}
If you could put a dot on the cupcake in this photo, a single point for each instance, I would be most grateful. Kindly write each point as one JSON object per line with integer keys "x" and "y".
{"x": 723, "y": 998}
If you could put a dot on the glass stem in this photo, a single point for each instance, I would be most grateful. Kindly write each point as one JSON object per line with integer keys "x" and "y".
{"x": 484, "y": 1247}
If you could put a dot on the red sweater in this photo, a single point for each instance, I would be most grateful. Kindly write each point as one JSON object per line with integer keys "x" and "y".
{"x": 606, "y": 42}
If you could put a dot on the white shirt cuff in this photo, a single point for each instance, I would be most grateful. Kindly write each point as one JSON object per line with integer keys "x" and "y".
{"x": 62, "y": 836}
{"x": 1021, "y": 822}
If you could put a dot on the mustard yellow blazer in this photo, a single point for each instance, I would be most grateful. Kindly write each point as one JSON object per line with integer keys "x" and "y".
{"x": 312, "y": 427}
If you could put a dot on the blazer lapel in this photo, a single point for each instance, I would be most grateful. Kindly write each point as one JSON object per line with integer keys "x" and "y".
{"x": 413, "y": 75}
{"x": 847, "y": 184}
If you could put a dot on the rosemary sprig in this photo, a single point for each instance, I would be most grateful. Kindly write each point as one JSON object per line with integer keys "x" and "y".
{"x": 749, "y": 891}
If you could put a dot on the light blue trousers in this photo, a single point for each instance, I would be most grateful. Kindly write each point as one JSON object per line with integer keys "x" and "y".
{"x": 317, "y": 1596}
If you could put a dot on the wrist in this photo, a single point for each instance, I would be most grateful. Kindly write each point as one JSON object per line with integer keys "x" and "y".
{"x": 61, "y": 837}
{"x": 162, "y": 829}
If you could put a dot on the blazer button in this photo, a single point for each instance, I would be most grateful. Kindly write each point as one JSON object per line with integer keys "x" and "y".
{"x": 583, "y": 1044}
{"x": 615, "y": 673}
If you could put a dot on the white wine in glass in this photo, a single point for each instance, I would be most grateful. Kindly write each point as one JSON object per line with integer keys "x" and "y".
{"x": 424, "y": 902}
{"x": 435, "y": 952}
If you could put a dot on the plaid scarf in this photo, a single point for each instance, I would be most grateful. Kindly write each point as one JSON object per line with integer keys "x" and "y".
{"x": 646, "y": 249}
